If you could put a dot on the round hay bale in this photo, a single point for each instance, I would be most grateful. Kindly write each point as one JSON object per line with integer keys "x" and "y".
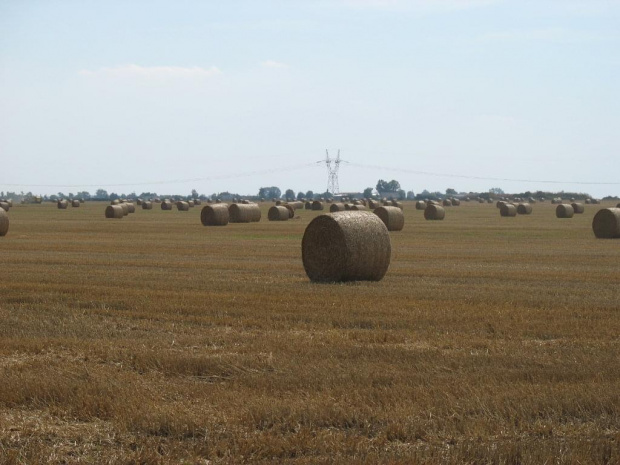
{"x": 524, "y": 209}
{"x": 125, "y": 208}
{"x": 357, "y": 202}
{"x": 489, "y": 200}
{"x": 5, "y": 206}
{"x": 588, "y": 201}
{"x": 346, "y": 246}
{"x": 131, "y": 207}
{"x": 420, "y": 205}
{"x": 434, "y": 212}
{"x": 499, "y": 203}
{"x": 606, "y": 223}
{"x": 75, "y": 203}
{"x": 10, "y": 202}
{"x": 578, "y": 207}
{"x": 595, "y": 201}
{"x": 455, "y": 202}
{"x": 215, "y": 215}
{"x": 336, "y": 207}
{"x": 392, "y": 217}
{"x": 507, "y": 209}
{"x": 373, "y": 204}
{"x": 308, "y": 206}
{"x": 190, "y": 203}
{"x": 347, "y": 206}
{"x": 278, "y": 203}
{"x": 241, "y": 213}
{"x": 139, "y": 202}
{"x": 63, "y": 204}
{"x": 291, "y": 210}
{"x": 4, "y": 222}
{"x": 197, "y": 202}
{"x": 147, "y": 205}
{"x": 278, "y": 213}
{"x": 166, "y": 205}
{"x": 218, "y": 200}
{"x": 360, "y": 208}
{"x": 317, "y": 206}
{"x": 572, "y": 199}
{"x": 564, "y": 211}
{"x": 398, "y": 204}
{"x": 447, "y": 203}
{"x": 618, "y": 206}
{"x": 298, "y": 204}
{"x": 114, "y": 211}
{"x": 480, "y": 200}
{"x": 182, "y": 206}
{"x": 115, "y": 202}
{"x": 245, "y": 202}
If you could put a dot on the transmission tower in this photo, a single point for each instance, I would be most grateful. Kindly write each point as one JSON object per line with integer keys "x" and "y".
{"x": 332, "y": 172}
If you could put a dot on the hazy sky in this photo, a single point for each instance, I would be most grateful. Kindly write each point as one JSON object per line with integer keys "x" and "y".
{"x": 169, "y": 96}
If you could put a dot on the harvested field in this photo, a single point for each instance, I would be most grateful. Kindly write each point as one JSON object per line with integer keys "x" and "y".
{"x": 157, "y": 340}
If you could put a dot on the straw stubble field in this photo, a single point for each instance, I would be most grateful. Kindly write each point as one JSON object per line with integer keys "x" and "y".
{"x": 153, "y": 339}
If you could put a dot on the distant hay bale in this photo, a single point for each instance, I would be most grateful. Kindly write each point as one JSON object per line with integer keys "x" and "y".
{"x": 489, "y": 200}
{"x": 398, "y": 204}
{"x": 125, "y": 208}
{"x": 147, "y": 205}
{"x": 572, "y": 199}
{"x": 373, "y": 204}
{"x": 279, "y": 202}
{"x": 131, "y": 207}
{"x": 215, "y": 215}
{"x": 308, "y": 205}
{"x": 166, "y": 205}
{"x": 595, "y": 201}
{"x": 298, "y": 204}
{"x": 182, "y": 206}
{"x": 317, "y": 205}
{"x": 447, "y": 203}
{"x": 291, "y": 210}
{"x": 218, "y": 200}
{"x": 455, "y": 202}
{"x": 245, "y": 202}
{"x": 75, "y": 203}
{"x": 336, "y": 207}
{"x": 480, "y": 200}
{"x": 278, "y": 213}
{"x": 524, "y": 209}
{"x": 115, "y": 202}
{"x": 564, "y": 211}
{"x": 434, "y": 212}
{"x": 114, "y": 211}
{"x": 420, "y": 205}
{"x": 499, "y": 203}
{"x": 4, "y": 222}
{"x": 507, "y": 209}
{"x": 139, "y": 202}
{"x": 588, "y": 201}
{"x": 241, "y": 213}
{"x": 10, "y": 202}
{"x": 62, "y": 204}
{"x": 357, "y": 202}
{"x": 347, "y": 206}
{"x": 346, "y": 246}
{"x": 360, "y": 208}
{"x": 578, "y": 207}
{"x": 606, "y": 223}
{"x": 392, "y": 217}
{"x": 5, "y": 206}
{"x": 190, "y": 203}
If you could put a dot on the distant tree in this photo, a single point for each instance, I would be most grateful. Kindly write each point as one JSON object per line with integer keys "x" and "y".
{"x": 289, "y": 194}
{"x": 450, "y": 191}
{"x": 269, "y": 192}
{"x": 410, "y": 195}
{"x": 114, "y": 196}
{"x": 83, "y": 195}
{"x": 368, "y": 192}
{"x": 401, "y": 194}
{"x": 496, "y": 190}
{"x": 384, "y": 186}
{"x": 61, "y": 195}
{"x": 194, "y": 194}
{"x": 310, "y": 195}
{"x": 101, "y": 194}
{"x": 300, "y": 195}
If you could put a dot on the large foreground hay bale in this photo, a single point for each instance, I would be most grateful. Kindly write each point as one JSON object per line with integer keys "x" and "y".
{"x": 578, "y": 207}
{"x": 346, "y": 246}
{"x": 5, "y": 206}
{"x": 215, "y": 215}
{"x": 606, "y": 223}
{"x": 420, "y": 205}
{"x": 564, "y": 211}
{"x": 317, "y": 206}
{"x": 524, "y": 209}
{"x": 114, "y": 211}
{"x": 278, "y": 213}
{"x": 4, "y": 222}
{"x": 336, "y": 207}
{"x": 75, "y": 203}
{"x": 182, "y": 206}
{"x": 240, "y": 213}
{"x": 392, "y": 217}
{"x": 63, "y": 204}
{"x": 434, "y": 212}
{"x": 507, "y": 209}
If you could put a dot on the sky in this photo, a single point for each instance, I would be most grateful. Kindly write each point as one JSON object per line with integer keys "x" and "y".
{"x": 170, "y": 96}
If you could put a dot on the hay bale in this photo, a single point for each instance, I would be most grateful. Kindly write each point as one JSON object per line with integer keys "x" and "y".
{"x": 447, "y": 203}
{"x": 291, "y": 210}
{"x": 125, "y": 208}
{"x": 480, "y": 200}
{"x": 346, "y": 246}
{"x": 215, "y": 215}
{"x": 5, "y": 206}
{"x": 75, "y": 203}
{"x": 398, "y": 204}
{"x": 131, "y": 207}
{"x": 115, "y": 202}
{"x": 62, "y": 204}
{"x": 298, "y": 204}
{"x": 360, "y": 208}
{"x": 347, "y": 206}
{"x": 336, "y": 207}
{"x": 455, "y": 202}
{"x": 139, "y": 202}
{"x": 182, "y": 206}
{"x": 10, "y": 202}
{"x": 4, "y": 222}
{"x": 317, "y": 206}
{"x": 420, "y": 205}
{"x": 524, "y": 209}
{"x": 278, "y": 203}
{"x": 147, "y": 205}
{"x": 190, "y": 203}
{"x": 245, "y": 202}
{"x": 241, "y": 213}
{"x": 564, "y": 211}
{"x": 278, "y": 213}
{"x": 373, "y": 204}
{"x": 434, "y": 212}
{"x": 507, "y": 209}
{"x": 308, "y": 205}
{"x": 197, "y": 202}
{"x": 166, "y": 205}
{"x": 578, "y": 207}
{"x": 114, "y": 211}
{"x": 392, "y": 217}
{"x": 606, "y": 223}
{"x": 489, "y": 200}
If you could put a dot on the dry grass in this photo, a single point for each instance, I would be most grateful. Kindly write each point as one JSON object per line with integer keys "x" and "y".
{"x": 485, "y": 342}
